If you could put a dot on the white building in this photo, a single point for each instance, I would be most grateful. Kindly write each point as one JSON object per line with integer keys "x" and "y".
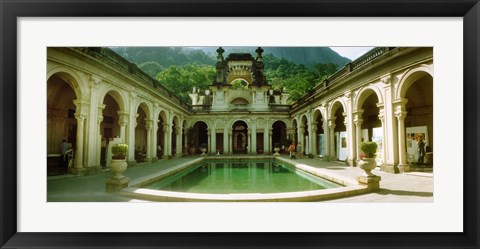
{"x": 95, "y": 95}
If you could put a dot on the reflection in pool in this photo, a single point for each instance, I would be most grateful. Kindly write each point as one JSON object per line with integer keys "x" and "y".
{"x": 241, "y": 176}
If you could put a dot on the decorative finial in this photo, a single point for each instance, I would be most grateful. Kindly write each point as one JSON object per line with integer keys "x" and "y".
{"x": 220, "y": 51}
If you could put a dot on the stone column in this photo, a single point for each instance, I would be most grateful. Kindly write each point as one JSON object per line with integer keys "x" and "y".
{"x": 170, "y": 140}
{"x": 381, "y": 116}
{"x": 165, "y": 141}
{"x": 400, "y": 114}
{"x": 149, "y": 128}
{"x": 79, "y": 169}
{"x": 331, "y": 126}
{"x": 326, "y": 141}
{"x": 301, "y": 139}
{"x": 225, "y": 141}
{"x": 270, "y": 144}
{"x": 266, "y": 147}
{"x": 401, "y": 138}
{"x": 185, "y": 135}
{"x": 122, "y": 122}
{"x": 179, "y": 146}
{"x": 154, "y": 140}
{"x": 313, "y": 139}
{"x": 249, "y": 140}
{"x": 254, "y": 140}
{"x": 358, "y": 121}
{"x": 99, "y": 135}
{"x": 209, "y": 145}
{"x": 390, "y": 124}
{"x": 230, "y": 142}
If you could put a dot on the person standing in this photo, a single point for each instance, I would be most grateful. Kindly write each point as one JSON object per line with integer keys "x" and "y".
{"x": 64, "y": 148}
{"x": 291, "y": 149}
{"x": 421, "y": 150}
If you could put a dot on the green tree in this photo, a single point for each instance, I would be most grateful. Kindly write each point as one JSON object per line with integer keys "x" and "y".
{"x": 296, "y": 78}
{"x": 181, "y": 79}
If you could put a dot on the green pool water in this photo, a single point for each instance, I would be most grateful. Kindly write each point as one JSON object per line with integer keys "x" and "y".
{"x": 241, "y": 176}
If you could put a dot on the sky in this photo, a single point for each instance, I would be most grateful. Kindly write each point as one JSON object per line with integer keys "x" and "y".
{"x": 351, "y": 53}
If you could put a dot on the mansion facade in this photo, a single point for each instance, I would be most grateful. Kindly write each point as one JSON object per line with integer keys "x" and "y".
{"x": 95, "y": 98}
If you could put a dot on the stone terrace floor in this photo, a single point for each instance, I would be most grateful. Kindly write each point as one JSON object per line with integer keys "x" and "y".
{"x": 411, "y": 187}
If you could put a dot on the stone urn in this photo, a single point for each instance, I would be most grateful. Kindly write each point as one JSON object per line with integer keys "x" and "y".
{"x": 276, "y": 149}
{"x": 367, "y": 164}
{"x": 203, "y": 150}
{"x": 118, "y": 167}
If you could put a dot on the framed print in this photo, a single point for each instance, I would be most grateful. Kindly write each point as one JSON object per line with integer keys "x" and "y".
{"x": 40, "y": 37}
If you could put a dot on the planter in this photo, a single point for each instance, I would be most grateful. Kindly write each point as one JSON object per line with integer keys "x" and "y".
{"x": 203, "y": 150}
{"x": 367, "y": 164}
{"x": 118, "y": 167}
{"x": 276, "y": 149}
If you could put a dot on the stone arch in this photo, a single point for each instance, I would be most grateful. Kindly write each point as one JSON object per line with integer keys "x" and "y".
{"x": 71, "y": 78}
{"x": 304, "y": 135}
{"x": 239, "y": 101}
{"x": 239, "y": 119}
{"x": 364, "y": 93}
{"x": 334, "y": 105}
{"x": 411, "y": 76}
{"x": 319, "y": 135}
{"x": 369, "y": 106}
{"x": 117, "y": 94}
{"x": 240, "y": 136}
{"x": 142, "y": 132}
{"x": 240, "y": 72}
{"x": 146, "y": 107}
{"x": 62, "y": 92}
{"x": 198, "y": 136}
{"x": 162, "y": 121}
{"x": 279, "y": 134}
{"x": 175, "y": 125}
{"x": 336, "y": 113}
{"x": 416, "y": 95}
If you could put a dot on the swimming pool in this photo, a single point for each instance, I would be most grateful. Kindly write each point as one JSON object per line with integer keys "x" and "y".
{"x": 241, "y": 176}
{"x": 138, "y": 187}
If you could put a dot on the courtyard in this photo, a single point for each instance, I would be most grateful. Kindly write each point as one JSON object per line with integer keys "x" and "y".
{"x": 411, "y": 187}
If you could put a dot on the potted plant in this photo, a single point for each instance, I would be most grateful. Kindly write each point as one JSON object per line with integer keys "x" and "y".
{"x": 203, "y": 149}
{"x": 119, "y": 164}
{"x": 276, "y": 148}
{"x": 367, "y": 159}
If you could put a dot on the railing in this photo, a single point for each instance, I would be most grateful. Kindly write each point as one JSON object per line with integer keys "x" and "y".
{"x": 132, "y": 68}
{"x": 279, "y": 108}
{"x": 241, "y": 108}
{"x": 373, "y": 54}
{"x": 334, "y": 79}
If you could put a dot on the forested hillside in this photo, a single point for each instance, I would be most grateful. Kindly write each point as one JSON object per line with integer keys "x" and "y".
{"x": 180, "y": 69}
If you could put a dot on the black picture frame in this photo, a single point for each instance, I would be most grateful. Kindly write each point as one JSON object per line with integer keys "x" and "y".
{"x": 11, "y": 10}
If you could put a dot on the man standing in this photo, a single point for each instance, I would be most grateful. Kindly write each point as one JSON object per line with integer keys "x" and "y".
{"x": 64, "y": 148}
{"x": 421, "y": 150}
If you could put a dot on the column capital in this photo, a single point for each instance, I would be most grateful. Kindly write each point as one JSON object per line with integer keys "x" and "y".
{"x": 99, "y": 119}
{"x": 386, "y": 79}
{"x": 400, "y": 102}
{"x": 148, "y": 124}
{"x": 358, "y": 116}
{"x": 80, "y": 116}
{"x": 358, "y": 122}
{"x": 331, "y": 123}
{"x": 401, "y": 115}
{"x": 348, "y": 94}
